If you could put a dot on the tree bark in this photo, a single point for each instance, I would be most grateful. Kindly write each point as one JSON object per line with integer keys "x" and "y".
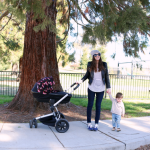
{"x": 39, "y": 60}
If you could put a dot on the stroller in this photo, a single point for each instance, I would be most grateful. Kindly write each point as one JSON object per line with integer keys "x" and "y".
{"x": 56, "y": 118}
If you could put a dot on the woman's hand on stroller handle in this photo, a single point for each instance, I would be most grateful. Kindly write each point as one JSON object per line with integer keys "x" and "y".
{"x": 75, "y": 84}
{"x": 79, "y": 82}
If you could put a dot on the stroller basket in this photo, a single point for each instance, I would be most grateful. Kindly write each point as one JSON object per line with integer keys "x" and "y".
{"x": 46, "y": 98}
{"x": 49, "y": 120}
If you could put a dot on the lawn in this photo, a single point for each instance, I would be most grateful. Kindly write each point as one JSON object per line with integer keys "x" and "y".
{"x": 5, "y": 99}
{"x": 134, "y": 108}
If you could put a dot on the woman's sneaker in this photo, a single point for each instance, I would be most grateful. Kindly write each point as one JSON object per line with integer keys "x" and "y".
{"x": 90, "y": 127}
{"x": 96, "y": 127}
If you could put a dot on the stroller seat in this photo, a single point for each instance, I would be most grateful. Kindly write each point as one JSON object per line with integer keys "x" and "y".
{"x": 46, "y": 97}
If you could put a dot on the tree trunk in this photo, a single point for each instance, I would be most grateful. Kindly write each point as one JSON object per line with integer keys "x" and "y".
{"x": 39, "y": 60}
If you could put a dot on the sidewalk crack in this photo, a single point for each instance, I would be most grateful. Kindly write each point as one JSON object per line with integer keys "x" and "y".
{"x": 57, "y": 138}
{"x": 2, "y": 127}
{"x": 110, "y": 136}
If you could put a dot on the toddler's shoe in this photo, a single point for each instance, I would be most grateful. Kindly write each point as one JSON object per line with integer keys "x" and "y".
{"x": 96, "y": 127}
{"x": 113, "y": 129}
{"x": 118, "y": 129}
{"x": 90, "y": 127}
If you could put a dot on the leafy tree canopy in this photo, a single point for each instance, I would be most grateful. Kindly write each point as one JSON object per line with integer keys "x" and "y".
{"x": 12, "y": 30}
{"x": 114, "y": 18}
{"x": 62, "y": 54}
{"x": 101, "y": 19}
{"x": 11, "y": 44}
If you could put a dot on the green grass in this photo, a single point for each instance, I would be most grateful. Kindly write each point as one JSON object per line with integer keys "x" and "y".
{"x": 5, "y": 99}
{"x": 134, "y": 108}
{"x": 7, "y": 86}
{"x": 106, "y": 103}
{"x": 7, "y": 79}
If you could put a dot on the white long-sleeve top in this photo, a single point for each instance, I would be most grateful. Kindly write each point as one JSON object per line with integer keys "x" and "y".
{"x": 117, "y": 107}
{"x": 97, "y": 84}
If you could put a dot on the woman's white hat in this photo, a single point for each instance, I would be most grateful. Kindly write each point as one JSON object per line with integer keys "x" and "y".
{"x": 94, "y": 52}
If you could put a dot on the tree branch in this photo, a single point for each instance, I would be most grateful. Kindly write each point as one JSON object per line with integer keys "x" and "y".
{"x": 17, "y": 23}
{"x": 59, "y": 58}
{"x": 7, "y": 12}
{"x": 119, "y": 5}
{"x": 77, "y": 22}
{"x": 6, "y": 23}
{"x": 77, "y": 6}
{"x": 4, "y": 14}
{"x": 84, "y": 1}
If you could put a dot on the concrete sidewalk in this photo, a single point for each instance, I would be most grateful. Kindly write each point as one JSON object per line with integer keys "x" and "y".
{"x": 17, "y": 136}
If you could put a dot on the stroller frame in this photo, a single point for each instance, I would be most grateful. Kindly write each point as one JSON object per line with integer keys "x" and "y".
{"x": 58, "y": 119}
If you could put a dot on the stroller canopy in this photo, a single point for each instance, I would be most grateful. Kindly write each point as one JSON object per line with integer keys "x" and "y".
{"x": 44, "y": 85}
{"x": 46, "y": 97}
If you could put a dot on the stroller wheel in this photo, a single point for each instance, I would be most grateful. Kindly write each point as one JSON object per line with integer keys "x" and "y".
{"x": 62, "y": 125}
{"x": 35, "y": 123}
{"x": 30, "y": 123}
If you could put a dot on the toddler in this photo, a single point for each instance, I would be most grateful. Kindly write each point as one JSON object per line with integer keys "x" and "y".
{"x": 117, "y": 110}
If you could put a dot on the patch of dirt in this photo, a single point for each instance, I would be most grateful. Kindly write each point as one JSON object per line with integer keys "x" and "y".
{"x": 71, "y": 112}
{"x": 145, "y": 147}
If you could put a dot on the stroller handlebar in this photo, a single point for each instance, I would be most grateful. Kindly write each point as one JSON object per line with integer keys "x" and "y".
{"x": 73, "y": 88}
{"x": 73, "y": 84}
{"x": 76, "y": 87}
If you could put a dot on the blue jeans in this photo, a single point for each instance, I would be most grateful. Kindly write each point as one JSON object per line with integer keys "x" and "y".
{"x": 116, "y": 120}
{"x": 91, "y": 96}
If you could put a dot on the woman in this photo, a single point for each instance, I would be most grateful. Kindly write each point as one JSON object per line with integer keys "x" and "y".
{"x": 97, "y": 74}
